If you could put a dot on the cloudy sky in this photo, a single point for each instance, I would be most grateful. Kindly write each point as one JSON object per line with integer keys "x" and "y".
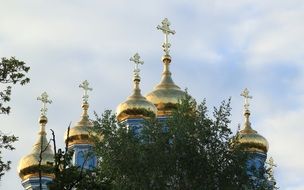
{"x": 220, "y": 47}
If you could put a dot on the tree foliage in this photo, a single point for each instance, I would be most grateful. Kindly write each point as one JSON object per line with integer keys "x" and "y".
{"x": 190, "y": 150}
{"x": 6, "y": 142}
{"x": 67, "y": 175}
{"x": 12, "y": 71}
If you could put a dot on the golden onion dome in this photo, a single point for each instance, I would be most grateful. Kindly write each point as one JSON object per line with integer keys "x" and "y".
{"x": 136, "y": 105}
{"x": 166, "y": 94}
{"x": 248, "y": 138}
{"x": 29, "y": 164}
{"x": 80, "y": 133}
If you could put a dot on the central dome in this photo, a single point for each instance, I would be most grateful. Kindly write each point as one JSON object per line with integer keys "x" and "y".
{"x": 166, "y": 94}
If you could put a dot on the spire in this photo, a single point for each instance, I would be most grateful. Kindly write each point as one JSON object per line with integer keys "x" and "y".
{"x": 136, "y": 72}
{"x": 245, "y": 94}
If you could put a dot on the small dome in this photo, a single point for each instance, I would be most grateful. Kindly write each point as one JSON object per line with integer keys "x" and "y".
{"x": 250, "y": 139}
{"x": 79, "y": 134}
{"x": 166, "y": 94}
{"x": 136, "y": 106}
{"x": 247, "y": 138}
{"x": 253, "y": 141}
{"x": 29, "y": 164}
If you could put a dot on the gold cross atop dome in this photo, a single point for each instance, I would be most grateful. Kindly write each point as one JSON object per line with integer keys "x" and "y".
{"x": 85, "y": 86}
{"x": 44, "y": 99}
{"x": 137, "y": 62}
{"x": 166, "y": 30}
{"x": 245, "y": 94}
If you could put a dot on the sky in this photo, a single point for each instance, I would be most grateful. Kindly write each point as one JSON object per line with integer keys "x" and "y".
{"x": 220, "y": 47}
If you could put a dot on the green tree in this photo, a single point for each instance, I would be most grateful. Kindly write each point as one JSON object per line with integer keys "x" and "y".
{"x": 12, "y": 71}
{"x": 67, "y": 175}
{"x": 5, "y": 143}
{"x": 264, "y": 180}
{"x": 191, "y": 150}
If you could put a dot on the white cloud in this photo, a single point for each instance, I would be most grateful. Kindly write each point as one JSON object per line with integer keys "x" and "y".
{"x": 284, "y": 131}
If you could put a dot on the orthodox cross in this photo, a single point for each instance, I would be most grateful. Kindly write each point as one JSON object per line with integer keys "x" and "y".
{"x": 44, "y": 99}
{"x": 85, "y": 86}
{"x": 166, "y": 30}
{"x": 245, "y": 94}
{"x": 137, "y": 62}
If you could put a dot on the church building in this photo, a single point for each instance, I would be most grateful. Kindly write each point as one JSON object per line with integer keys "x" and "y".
{"x": 161, "y": 102}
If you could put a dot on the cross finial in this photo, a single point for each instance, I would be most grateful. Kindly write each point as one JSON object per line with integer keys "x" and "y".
{"x": 245, "y": 94}
{"x": 137, "y": 62}
{"x": 44, "y": 99}
{"x": 85, "y": 86}
{"x": 166, "y": 30}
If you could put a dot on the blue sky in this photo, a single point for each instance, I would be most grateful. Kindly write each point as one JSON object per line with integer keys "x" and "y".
{"x": 220, "y": 47}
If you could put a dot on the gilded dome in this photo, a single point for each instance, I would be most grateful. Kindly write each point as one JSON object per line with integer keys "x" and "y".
{"x": 166, "y": 94}
{"x": 79, "y": 133}
{"x": 250, "y": 139}
{"x": 29, "y": 164}
{"x": 136, "y": 106}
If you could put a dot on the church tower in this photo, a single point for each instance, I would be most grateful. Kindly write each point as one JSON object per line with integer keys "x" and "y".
{"x": 78, "y": 138}
{"x": 39, "y": 163}
{"x": 253, "y": 142}
{"x": 136, "y": 107}
{"x": 166, "y": 94}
